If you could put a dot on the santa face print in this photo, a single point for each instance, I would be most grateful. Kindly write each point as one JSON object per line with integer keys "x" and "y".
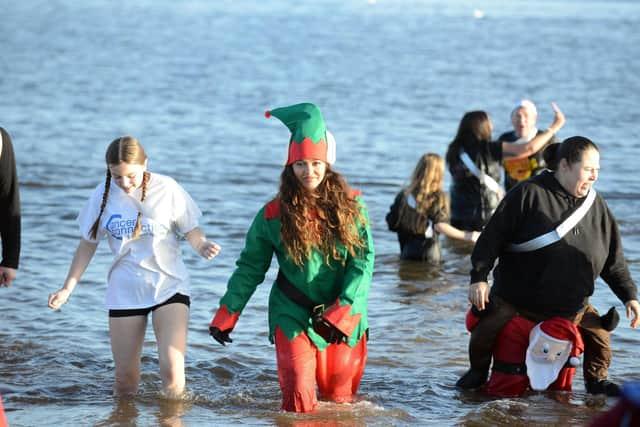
{"x": 548, "y": 350}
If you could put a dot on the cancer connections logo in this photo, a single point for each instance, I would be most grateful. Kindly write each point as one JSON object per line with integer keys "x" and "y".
{"x": 119, "y": 227}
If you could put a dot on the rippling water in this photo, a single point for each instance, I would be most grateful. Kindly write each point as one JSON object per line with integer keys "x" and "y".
{"x": 191, "y": 79}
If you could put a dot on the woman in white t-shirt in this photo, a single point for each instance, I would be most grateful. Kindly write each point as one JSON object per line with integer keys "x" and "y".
{"x": 141, "y": 215}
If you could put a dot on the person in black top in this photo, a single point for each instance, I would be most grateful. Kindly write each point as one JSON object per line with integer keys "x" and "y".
{"x": 555, "y": 278}
{"x": 9, "y": 211}
{"x": 420, "y": 213}
{"x": 474, "y": 197}
{"x": 9, "y": 220}
{"x": 523, "y": 118}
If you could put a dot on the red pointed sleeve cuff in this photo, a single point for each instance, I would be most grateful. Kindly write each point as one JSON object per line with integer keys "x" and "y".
{"x": 341, "y": 318}
{"x": 224, "y": 320}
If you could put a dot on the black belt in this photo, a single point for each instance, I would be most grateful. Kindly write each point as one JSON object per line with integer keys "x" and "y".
{"x": 323, "y": 328}
{"x": 320, "y": 326}
{"x": 510, "y": 368}
{"x": 297, "y": 296}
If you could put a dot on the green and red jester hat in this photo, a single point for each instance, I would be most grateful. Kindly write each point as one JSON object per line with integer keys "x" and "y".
{"x": 310, "y": 138}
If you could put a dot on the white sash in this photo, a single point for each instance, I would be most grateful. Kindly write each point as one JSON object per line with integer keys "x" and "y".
{"x": 0, "y": 143}
{"x": 485, "y": 179}
{"x": 559, "y": 232}
{"x": 412, "y": 202}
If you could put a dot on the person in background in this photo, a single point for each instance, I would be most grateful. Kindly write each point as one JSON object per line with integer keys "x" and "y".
{"x": 474, "y": 163}
{"x": 9, "y": 220}
{"x": 142, "y": 215}
{"x": 552, "y": 236}
{"x": 419, "y": 213}
{"x": 523, "y": 118}
{"x": 9, "y": 211}
{"x": 318, "y": 229}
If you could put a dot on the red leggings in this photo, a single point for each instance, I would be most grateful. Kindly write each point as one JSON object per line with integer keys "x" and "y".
{"x": 337, "y": 370}
{"x": 3, "y": 420}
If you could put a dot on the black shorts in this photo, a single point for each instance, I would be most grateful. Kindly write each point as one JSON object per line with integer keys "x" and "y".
{"x": 177, "y": 298}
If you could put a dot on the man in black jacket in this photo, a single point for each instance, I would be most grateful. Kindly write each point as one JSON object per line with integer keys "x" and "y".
{"x": 557, "y": 278}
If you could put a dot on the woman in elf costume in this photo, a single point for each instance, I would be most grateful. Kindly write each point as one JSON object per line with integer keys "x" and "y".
{"x": 318, "y": 229}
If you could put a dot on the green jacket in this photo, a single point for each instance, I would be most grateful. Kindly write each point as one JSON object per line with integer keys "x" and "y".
{"x": 342, "y": 288}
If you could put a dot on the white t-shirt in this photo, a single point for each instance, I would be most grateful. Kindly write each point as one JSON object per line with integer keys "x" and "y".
{"x": 148, "y": 270}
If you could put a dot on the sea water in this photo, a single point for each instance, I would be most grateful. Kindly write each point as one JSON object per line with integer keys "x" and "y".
{"x": 191, "y": 80}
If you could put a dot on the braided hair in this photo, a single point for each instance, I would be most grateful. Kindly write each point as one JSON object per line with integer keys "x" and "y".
{"x": 125, "y": 149}
{"x": 138, "y": 227}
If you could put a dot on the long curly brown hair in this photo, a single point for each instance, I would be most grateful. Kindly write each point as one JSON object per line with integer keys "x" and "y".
{"x": 320, "y": 219}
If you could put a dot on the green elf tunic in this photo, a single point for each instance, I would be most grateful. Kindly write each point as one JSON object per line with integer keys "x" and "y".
{"x": 342, "y": 287}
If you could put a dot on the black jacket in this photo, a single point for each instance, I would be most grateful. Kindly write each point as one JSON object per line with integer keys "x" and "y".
{"x": 9, "y": 205}
{"x": 471, "y": 202}
{"x": 413, "y": 243}
{"x": 557, "y": 279}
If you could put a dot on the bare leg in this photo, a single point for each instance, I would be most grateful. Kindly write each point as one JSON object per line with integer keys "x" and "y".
{"x": 170, "y": 326}
{"x": 127, "y": 337}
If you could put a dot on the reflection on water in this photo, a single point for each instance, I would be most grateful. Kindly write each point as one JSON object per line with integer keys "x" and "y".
{"x": 545, "y": 408}
{"x": 170, "y": 412}
{"x": 357, "y": 414}
{"x": 126, "y": 411}
{"x": 416, "y": 278}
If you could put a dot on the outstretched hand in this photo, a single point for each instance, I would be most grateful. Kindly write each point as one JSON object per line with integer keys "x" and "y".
{"x": 7, "y": 275}
{"x": 208, "y": 249}
{"x": 58, "y": 298}
{"x": 198, "y": 241}
{"x": 479, "y": 294}
{"x": 221, "y": 336}
{"x": 633, "y": 309}
{"x": 559, "y": 118}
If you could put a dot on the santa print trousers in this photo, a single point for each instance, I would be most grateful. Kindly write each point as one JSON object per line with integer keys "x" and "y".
{"x": 336, "y": 370}
{"x": 597, "y": 346}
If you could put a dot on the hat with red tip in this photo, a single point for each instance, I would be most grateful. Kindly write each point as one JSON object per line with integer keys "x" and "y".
{"x": 551, "y": 344}
{"x": 310, "y": 138}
